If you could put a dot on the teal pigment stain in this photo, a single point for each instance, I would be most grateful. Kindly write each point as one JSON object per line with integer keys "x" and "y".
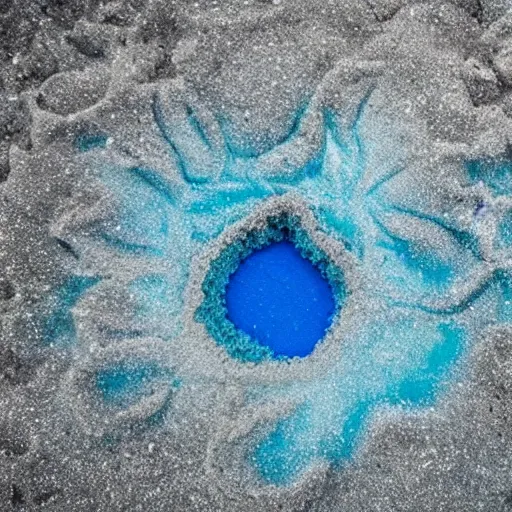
{"x": 85, "y": 142}
{"x": 496, "y": 173}
{"x": 305, "y": 436}
{"x": 59, "y": 327}
{"x": 124, "y": 384}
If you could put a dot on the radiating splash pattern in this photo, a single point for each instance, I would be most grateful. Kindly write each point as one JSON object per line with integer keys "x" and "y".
{"x": 424, "y": 293}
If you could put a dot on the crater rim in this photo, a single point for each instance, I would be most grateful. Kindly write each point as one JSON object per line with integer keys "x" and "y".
{"x": 205, "y": 356}
{"x": 214, "y": 312}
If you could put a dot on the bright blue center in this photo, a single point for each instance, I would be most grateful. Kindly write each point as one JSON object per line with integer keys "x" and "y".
{"x": 281, "y": 300}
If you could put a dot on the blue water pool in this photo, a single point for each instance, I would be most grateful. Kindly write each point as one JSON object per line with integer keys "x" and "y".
{"x": 281, "y": 300}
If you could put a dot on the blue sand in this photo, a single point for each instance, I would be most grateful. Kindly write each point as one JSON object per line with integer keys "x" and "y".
{"x": 59, "y": 327}
{"x": 146, "y": 209}
{"x": 151, "y": 291}
{"x": 125, "y": 384}
{"x": 299, "y": 439}
{"x": 88, "y": 141}
{"x": 505, "y": 231}
{"x": 280, "y": 300}
{"x": 495, "y": 173}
